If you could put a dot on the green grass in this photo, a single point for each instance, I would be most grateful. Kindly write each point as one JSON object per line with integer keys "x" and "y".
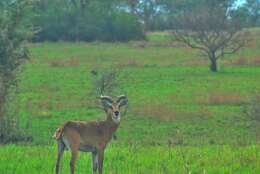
{"x": 135, "y": 159}
{"x": 173, "y": 99}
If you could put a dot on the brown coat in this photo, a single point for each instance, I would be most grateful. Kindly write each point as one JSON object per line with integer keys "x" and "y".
{"x": 92, "y": 134}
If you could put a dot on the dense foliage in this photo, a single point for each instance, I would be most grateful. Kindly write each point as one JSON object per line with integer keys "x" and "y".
{"x": 13, "y": 35}
{"x": 99, "y": 20}
{"x": 121, "y": 20}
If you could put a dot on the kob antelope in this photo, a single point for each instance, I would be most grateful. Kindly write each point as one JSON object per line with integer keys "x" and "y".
{"x": 90, "y": 136}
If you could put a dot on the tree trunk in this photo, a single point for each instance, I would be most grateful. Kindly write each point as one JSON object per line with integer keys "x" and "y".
{"x": 213, "y": 63}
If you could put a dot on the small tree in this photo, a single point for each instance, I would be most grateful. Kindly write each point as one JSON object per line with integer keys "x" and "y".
{"x": 104, "y": 82}
{"x": 13, "y": 35}
{"x": 210, "y": 29}
{"x": 252, "y": 109}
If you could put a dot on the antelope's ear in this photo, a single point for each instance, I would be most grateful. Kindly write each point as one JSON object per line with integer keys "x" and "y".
{"x": 122, "y": 100}
{"x": 106, "y": 102}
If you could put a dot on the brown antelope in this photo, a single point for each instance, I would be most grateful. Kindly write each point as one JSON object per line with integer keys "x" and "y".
{"x": 90, "y": 136}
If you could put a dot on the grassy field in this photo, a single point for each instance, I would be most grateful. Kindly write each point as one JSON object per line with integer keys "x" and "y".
{"x": 181, "y": 118}
{"x": 132, "y": 159}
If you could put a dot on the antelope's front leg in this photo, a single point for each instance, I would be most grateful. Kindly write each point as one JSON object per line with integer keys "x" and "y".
{"x": 94, "y": 162}
{"x": 100, "y": 160}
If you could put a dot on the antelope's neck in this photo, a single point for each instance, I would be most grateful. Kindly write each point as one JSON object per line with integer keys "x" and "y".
{"x": 111, "y": 125}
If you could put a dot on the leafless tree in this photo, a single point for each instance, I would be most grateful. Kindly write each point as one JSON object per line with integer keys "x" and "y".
{"x": 210, "y": 30}
{"x": 104, "y": 82}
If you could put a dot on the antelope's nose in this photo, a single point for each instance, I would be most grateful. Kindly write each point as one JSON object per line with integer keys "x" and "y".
{"x": 116, "y": 113}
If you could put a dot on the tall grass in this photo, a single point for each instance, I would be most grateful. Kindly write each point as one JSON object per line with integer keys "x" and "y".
{"x": 131, "y": 159}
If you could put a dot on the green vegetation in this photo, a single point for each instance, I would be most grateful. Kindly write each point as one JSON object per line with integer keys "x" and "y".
{"x": 13, "y": 35}
{"x": 120, "y": 20}
{"x": 131, "y": 159}
{"x": 98, "y": 20}
{"x": 181, "y": 117}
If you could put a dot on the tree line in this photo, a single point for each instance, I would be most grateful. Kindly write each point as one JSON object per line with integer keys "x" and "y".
{"x": 121, "y": 20}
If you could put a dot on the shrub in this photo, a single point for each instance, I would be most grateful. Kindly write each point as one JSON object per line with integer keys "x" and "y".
{"x": 12, "y": 54}
{"x": 252, "y": 110}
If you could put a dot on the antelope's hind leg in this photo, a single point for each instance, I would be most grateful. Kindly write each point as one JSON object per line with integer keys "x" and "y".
{"x": 74, "y": 154}
{"x": 61, "y": 148}
{"x": 73, "y": 143}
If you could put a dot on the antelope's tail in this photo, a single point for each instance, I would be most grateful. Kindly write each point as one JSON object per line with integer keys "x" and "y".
{"x": 57, "y": 133}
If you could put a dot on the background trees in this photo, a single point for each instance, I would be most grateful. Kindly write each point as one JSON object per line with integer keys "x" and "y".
{"x": 248, "y": 15}
{"x": 120, "y": 20}
{"x": 98, "y": 20}
{"x": 253, "y": 7}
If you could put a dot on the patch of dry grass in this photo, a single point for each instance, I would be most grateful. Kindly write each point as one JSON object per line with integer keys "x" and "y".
{"x": 255, "y": 61}
{"x": 130, "y": 63}
{"x": 225, "y": 98}
{"x": 243, "y": 61}
{"x": 240, "y": 61}
{"x": 161, "y": 111}
{"x": 59, "y": 62}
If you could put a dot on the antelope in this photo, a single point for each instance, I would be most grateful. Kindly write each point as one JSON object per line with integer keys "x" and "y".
{"x": 92, "y": 136}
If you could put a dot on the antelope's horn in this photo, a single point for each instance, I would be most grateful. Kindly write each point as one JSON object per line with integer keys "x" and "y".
{"x": 107, "y": 98}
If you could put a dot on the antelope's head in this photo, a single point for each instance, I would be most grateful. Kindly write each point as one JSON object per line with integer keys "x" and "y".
{"x": 112, "y": 107}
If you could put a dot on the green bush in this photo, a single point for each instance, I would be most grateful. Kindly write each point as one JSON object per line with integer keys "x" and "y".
{"x": 98, "y": 21}
{"x": 13, "y": 35}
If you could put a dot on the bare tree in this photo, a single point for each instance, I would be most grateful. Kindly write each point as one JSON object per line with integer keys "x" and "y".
{"x": 210, "y": 29}
{"x": 104, "y": 82}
